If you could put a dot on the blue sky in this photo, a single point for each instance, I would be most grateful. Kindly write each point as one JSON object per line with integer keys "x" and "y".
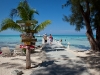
{"x": 48, "y": 10}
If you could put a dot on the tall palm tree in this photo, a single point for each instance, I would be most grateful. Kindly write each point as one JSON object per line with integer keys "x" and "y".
{"x": 26, "y": 14}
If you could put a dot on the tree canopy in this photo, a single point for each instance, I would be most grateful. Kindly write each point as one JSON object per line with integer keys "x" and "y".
{"x": 85, "y": 13}
{"x": 79, "y": 6}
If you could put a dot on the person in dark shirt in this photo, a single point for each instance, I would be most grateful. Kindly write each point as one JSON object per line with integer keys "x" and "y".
{"x": 45, "y": 38}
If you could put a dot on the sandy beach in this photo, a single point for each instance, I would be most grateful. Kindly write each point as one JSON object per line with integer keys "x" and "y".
{"x": 50, "y": 37}
{"x": 9, "y": 64}
{"x": 92, "y": 59}
{"x": 53, "y": 62}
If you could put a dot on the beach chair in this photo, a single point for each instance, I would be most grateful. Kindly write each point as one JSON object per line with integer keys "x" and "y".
{"x": 5, "y": 51}
{"x": 17, "y": 50}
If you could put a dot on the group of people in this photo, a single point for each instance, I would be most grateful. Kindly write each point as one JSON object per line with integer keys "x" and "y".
{"x": 48, "y": 39}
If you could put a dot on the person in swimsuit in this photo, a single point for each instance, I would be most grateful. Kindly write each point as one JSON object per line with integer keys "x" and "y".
{"x": 51, "y": 39}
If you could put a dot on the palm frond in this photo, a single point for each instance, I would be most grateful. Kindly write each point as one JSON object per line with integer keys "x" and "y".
{"x": 25, "y": 5}
{"x": 42, "y": 25}
{"x": 31, "y": 13}
{"x": 26, "y": 14}
{"x": 22, "y": 13}
{"x": 13, "y": 13}
{"x": 9, "y": 24}
{"x": 22, "y": 7}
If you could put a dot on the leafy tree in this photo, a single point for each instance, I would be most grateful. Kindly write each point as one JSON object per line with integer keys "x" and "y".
{"x": 84, "y": 15}
{"x": 95, "y": 22}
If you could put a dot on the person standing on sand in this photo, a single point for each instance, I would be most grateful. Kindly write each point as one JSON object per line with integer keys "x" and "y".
{"x": 45, "y": 38}
{"x": 51, "y": 39}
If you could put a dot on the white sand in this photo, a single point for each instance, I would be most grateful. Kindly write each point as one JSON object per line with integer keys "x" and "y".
{"x": 85, "y": 54}
{"x": 8, "y": 64}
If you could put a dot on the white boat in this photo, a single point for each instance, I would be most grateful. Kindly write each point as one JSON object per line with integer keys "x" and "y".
{"x": 39, "y": 35}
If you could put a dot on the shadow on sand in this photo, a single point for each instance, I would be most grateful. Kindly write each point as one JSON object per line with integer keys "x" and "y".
{"x": 93, "y": 59}
{"x": 80, "y": 46}
{"x": 51, "y": 68}
{"x": 49, "y": 49}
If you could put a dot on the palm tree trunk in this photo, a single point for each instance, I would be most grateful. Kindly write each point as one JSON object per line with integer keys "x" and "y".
{"x": 28, "y": 61}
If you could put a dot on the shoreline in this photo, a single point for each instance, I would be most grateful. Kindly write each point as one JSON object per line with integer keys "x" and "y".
{"x": 76, "y": 41}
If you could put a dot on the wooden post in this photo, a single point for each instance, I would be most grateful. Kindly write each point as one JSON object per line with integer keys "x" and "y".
{"x": 28, "y": 61}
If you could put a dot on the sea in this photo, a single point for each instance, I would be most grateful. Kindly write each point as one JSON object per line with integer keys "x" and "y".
{"x": 76, "y": 42}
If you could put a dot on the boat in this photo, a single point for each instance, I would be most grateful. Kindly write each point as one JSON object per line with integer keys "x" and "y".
{"x": 39, "y": 35}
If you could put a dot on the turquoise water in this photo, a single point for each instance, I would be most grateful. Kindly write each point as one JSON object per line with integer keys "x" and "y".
{"x": 77, "y": 42}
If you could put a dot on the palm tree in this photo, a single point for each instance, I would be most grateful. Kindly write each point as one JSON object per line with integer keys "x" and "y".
{"x": 26, "y": 14}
